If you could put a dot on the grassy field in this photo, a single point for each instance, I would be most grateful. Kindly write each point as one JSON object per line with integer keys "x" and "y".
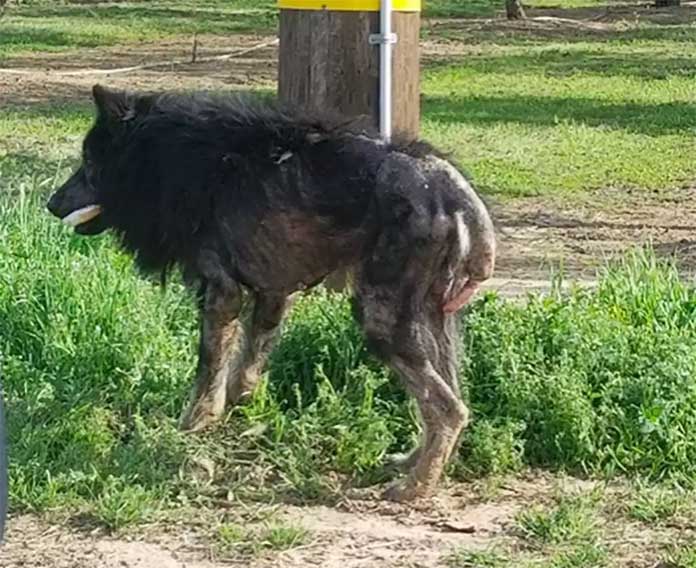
{"x": 595, "y": 382}
{"x": 601, "y": 384}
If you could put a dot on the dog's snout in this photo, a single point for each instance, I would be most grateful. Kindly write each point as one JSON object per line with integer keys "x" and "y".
{"x": 74, "y": 194}
{"x": 53, "y": 204}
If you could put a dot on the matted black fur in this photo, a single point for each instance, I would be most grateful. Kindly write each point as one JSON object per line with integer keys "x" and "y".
{"x": 255, "y": 202}
{"x": 164, "y": 168}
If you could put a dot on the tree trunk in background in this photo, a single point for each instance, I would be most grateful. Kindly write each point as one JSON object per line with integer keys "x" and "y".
{"x": 663, "y": 3}
{"x": 515, "y": 11}
{"x": 327, "y": 63}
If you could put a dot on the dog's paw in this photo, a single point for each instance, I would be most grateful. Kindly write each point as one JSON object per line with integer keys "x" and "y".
{"x": 405, "y": 491}
{"x": 197, "y": 417}
{"x": 401, "y": 463}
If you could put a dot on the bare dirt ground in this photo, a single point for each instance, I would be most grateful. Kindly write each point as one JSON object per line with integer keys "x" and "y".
{"x": 337, "y": 537}
{"x": 359, "y": 532}
{"x": 539, "y": 235}
{"x": 535, "y": 235}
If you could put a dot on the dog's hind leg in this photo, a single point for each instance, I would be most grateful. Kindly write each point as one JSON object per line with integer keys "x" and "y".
{"x": 444, "y": 416}
{"x": 261, "y": 327}
{"x": 399, "y": 300}
{"x": 220, "y": 330}
{"x": 401, "y": 333}
{"x": 442, "y": 337}
{"x": 404, "y": 325}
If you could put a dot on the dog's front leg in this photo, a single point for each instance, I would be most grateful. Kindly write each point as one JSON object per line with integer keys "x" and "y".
{"x": 220, "y": 331}
{"x": 261, "y": 329}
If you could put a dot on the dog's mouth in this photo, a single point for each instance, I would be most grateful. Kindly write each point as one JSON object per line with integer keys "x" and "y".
{"x": 86, "y": 220}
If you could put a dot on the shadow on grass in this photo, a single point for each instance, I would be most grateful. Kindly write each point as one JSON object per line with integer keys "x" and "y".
{"x": 22, "y": 108}
{"x": 566, "y": 62}
{"x": 651, "y": 119}
{"x": 534, "y": 32}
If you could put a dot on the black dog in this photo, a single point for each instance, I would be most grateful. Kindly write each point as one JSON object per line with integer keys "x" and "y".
{"x": 255, "y": 203}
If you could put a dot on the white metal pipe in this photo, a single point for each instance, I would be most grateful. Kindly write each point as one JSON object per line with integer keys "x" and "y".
{"x": 385, "y": 72}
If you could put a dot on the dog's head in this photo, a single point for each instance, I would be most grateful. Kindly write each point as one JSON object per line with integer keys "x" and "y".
{"x": 79, "y": 201}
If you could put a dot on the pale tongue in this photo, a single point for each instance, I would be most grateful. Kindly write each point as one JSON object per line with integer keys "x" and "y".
{"x": 82, "y": 215}
{"x": 461, "y": 299}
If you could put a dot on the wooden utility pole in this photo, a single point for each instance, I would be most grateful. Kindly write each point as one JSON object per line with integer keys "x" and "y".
{"x": 329, "y": 60}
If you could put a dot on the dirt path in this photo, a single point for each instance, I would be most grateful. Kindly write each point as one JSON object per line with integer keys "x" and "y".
{"x": 539, "y": 236}
{"x": 356, "y": 533}
{"x": 360, "y": 533}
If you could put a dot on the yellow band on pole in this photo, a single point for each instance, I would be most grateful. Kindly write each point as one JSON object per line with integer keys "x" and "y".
{"x": 349, "y": 5}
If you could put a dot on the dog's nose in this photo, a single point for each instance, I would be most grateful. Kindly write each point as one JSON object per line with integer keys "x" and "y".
{"x": 53, "y": 204}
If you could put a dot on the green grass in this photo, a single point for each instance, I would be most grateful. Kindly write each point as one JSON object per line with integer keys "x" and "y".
{"x": 565, "y": 118}
{"x": 585, "y": 555}
{"x": 492, "y": 8}
{"x": 565, "y": 534}
{"x": 51, "y": 26}
{"x": 601, "y": 379}
{"x": 573, "y": 518}
{"x": 654, "y": 504}
{"x": 477, "y": 559}
{"x": 232, "y": 540}
{"x": 566, "y": 555}
{"x": 681, "y": 557}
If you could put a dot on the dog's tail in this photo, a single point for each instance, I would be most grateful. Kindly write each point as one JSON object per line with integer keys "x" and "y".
{"x": 462, "y": 286}
{"x": 471, "y": 255}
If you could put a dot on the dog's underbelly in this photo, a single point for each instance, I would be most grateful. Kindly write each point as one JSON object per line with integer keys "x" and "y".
{"x": 292, "y": 251}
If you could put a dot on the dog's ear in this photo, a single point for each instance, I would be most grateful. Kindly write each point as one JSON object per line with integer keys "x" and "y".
{"x": 114, "y": 106}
